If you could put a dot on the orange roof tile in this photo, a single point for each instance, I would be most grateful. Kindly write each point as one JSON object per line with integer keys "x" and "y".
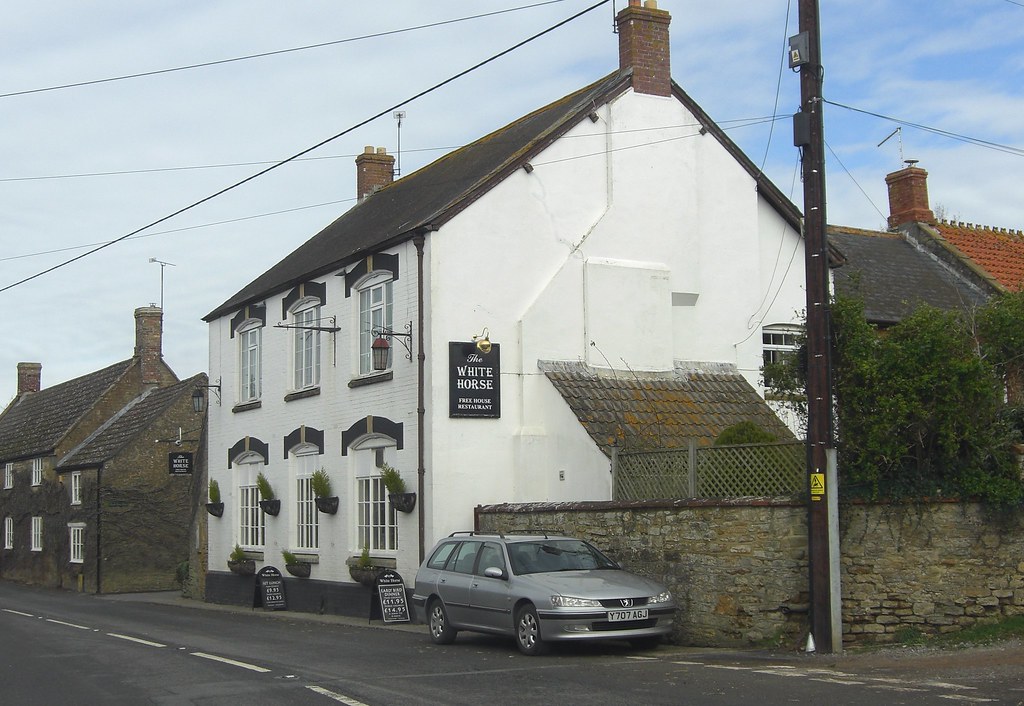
{"x": 999, "y": 251}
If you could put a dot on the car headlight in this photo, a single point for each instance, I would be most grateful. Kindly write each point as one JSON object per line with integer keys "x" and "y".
{"x": 663, "y": 597}
{"x": 571, "y": 602}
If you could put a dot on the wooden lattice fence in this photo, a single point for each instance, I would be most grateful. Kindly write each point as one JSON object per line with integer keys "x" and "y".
{"x": 745, "y": 470}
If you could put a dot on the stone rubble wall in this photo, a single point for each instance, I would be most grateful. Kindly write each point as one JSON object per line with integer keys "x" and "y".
{"x": 738, "y": 569}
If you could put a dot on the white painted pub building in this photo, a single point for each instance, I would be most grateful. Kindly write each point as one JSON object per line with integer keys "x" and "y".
{"x": 614, "y": 234}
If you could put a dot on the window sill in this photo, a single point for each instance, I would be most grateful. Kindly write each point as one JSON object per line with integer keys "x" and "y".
{"x": 301, "y": 394}
{"x": 371, "y": 379}
{"x": 246, "y": 406}
{"x": 307, "y": 558}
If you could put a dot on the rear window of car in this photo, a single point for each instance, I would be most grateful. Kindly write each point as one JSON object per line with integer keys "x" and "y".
{"x": 441, "y": 554}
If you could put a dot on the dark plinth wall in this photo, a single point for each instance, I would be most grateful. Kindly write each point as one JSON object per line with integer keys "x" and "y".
{"x": 301, "y": 595}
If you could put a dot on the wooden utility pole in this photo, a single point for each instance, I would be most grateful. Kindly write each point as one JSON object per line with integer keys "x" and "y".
{"x": 809, "y": 131}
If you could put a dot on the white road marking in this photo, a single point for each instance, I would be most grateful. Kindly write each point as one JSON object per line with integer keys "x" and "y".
{"x": 947, "y": 685}
{"x": 969, "y": 699}
{"x": 135, "y": 639}
{"x": 337, "y": 697}
{"x": 232, "y": 662}
{"x": 18, "y": 612}
{"x": 70, "y": 625}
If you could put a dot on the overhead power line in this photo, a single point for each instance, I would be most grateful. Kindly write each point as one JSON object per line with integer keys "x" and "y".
{"x": 261, "y": 55}
{"x": 1017, "y": 151}
{"x": 318, "y": 145}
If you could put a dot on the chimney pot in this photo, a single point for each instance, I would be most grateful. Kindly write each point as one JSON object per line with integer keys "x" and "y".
{"x": 29, "y": 376}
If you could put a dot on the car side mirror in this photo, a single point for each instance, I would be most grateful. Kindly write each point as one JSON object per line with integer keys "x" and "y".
{"x": 494, "y": 572}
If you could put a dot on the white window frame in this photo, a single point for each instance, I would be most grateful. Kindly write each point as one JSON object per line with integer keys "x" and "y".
{"x": 76, "y": 487}
{"x": 37, "y": 471}
{"x": 778, "y": 341}
{"x": 8, "y": 533}
{"x": 252, "y": 525}
{"x": 376, "y": 304}
{"x": 76, "y": 542}
{"x": 307, "y": 519}
{"x": 37, "y": 534}
{"x": 8, "y": 475}
{"x": 306, "y": 345}
{"x": 250, "y": 363}
{"x": 376, "y": 519}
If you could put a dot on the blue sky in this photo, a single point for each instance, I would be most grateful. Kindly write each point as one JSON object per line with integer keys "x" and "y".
{"x": 156, "y": 144}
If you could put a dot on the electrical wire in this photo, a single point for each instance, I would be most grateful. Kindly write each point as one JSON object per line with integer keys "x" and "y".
{"x": 855, "y": 182}
{"x": 1016, "y": 151}
{"x": 310, "y": 149}
{"x": 778, "y": 88}
{"x": 277, "y": 52}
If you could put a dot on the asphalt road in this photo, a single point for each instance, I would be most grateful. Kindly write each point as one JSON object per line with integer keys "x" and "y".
{"x": 60, "y": 647}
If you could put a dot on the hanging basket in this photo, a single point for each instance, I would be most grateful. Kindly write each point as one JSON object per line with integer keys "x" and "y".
{"x": 245, "y": 567}
{"x": 300, "y": 569}
{"x": 403, "y": 502}
{"x": 366, "y": 575}
{"x": 271, "y": 507}
{"x": 215, "y": 509}
{"x": 328, "y": 506}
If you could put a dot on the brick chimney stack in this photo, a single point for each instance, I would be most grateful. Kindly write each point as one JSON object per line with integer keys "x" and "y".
{"x": 374, "y": 170}
{"x": 908, "y": 197}
{"x": 29, "y": 376}
{"x": 149, "y": 324}
{"x": 643, "y": 46}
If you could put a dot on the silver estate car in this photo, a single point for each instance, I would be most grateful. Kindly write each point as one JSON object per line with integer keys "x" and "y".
{"x": 536, "y": 588}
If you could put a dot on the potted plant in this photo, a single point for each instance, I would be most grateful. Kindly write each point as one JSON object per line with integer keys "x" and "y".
{"x": 363, "y": 570}
{"x": 400, "y": 498}
{"x": 215, "y": 507}
{"x": 269, "y": 504}
{"x": 294, "y": 565}
{"x": 240, "y": 563}
{"x": 321, "y": 483}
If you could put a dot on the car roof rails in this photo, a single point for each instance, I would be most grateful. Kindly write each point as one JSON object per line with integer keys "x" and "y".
{"x": 546, "y": 534}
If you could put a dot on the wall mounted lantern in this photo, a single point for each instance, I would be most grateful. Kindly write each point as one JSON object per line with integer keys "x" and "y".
{"x": 380, "y": 349}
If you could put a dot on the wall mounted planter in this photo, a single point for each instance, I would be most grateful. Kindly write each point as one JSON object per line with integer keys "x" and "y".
{"x": 245, "y": 567}
{"x": 328, "y": 506}
{"x": 366, "y": 575}
{"x": 403, "y": 502}
{"x": 271, "y": 507}
{"x": 300, "y": 569}
{"x": 215, "y": 509}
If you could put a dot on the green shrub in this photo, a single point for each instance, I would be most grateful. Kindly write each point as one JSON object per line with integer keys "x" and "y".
{"x": 266, "y": 491}
{"x": 214, "y": 492}
{"x": 745, "y": 432}
{"x": 321, "y": 483}
{"x": 237, "y": 554}
{"x": 392, "y": 478}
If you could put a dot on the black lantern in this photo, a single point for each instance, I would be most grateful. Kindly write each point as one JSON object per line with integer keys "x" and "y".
{"x": 381, "y": 351}
{"x": 198, "y": 400}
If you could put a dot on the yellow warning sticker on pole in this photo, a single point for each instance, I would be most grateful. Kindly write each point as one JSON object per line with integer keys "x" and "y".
{"x": 817, "y": 486}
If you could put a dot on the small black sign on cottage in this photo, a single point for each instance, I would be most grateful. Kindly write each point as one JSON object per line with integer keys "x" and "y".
{"x": 474, "y": 380}
{"x": 180, "y": 463}
{"x": 389, "y": 602}
{"x": 269, "y": 589}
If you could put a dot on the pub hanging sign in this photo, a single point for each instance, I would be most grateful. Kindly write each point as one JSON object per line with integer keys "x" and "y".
{"x": 179, "y": 463}
{"x": 474, "y": 382}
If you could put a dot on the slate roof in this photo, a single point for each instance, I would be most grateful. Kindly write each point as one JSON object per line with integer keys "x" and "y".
{"x": 429, "y": 197}
{"x": 998, "y": 251}
{"x": 661, "y": 411}
{"x": 125, "y": 427}
{"x": 893, "y": 277}
{"x": 34, "y": 424}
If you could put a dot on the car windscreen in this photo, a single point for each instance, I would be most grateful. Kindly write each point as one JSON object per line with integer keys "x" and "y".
{"x": 543, "y": 555}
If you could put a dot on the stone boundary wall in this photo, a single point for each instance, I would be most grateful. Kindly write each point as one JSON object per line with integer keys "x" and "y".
{"x": 738, "y": 569}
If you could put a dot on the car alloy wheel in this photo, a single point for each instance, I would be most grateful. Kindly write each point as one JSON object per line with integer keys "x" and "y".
{"x": 528, "y": 632}
{"x": 441, "y": 632}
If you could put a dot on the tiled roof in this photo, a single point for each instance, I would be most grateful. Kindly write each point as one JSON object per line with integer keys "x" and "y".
{"x": 126, "y": 426}
{"x": 662, "y": 411}
{"x": 35, "y": 423}
{"x": 429, "y": 197}
{"x": 998, "y": 251}
{"x": 893, "y": 277}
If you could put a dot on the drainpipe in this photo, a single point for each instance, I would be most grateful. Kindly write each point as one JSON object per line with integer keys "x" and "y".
{"x": 421, "y": 470}
{"x": 99, "y": 515}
